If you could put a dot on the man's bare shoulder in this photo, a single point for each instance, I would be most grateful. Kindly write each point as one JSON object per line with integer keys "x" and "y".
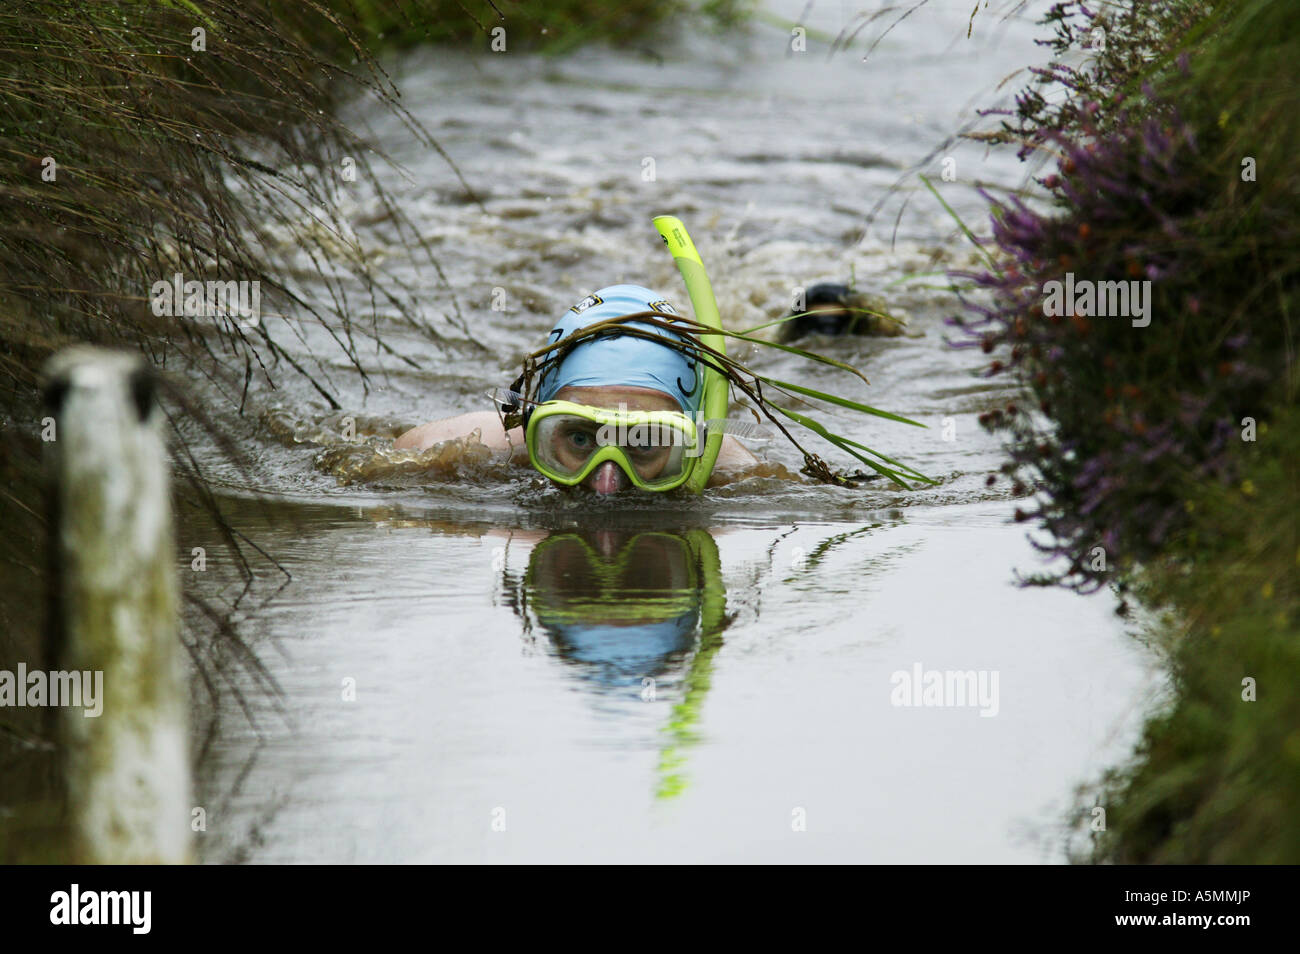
{"x": 734, "y": 458}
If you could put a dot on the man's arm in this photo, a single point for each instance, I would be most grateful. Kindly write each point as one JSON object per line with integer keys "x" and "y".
{"x": 487, "y": 423}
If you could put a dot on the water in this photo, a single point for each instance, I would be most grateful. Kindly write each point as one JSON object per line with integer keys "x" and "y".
{"x": 540, "y": 678}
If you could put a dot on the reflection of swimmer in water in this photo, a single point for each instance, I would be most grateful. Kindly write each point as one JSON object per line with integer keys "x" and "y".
{"x": 634, "y": 380}
{"x": 623, "y": 605}
{"x": 626, "y": 608}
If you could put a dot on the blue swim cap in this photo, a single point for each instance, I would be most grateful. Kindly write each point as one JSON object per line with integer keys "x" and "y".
{"x": 622, "y": 655}
{"x": 621, "y": 360}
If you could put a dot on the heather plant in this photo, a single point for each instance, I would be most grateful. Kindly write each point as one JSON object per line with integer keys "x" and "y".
{"x": 1155, "y": 150}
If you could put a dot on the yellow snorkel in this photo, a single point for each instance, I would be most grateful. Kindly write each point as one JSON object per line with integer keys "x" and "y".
{"x": 713, "y": 406}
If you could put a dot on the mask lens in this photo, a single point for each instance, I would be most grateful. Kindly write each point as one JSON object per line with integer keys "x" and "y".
{"x": 565, "y": 442}
{"x": 653, "y": 453}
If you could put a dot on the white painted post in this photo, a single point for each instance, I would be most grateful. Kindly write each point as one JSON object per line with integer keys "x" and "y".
{"x": 128, "y": 770}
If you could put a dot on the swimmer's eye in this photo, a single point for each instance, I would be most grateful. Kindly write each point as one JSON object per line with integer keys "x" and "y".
{"x": 580, "y": 439}
{"x": 645, "y": 453}
{"x": 652, "y": 444}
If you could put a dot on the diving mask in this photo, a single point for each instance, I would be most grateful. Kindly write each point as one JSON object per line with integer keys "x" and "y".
{"x": 657, "y": 450}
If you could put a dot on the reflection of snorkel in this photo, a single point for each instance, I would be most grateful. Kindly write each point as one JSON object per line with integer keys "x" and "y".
{"x": 625, "y": 607}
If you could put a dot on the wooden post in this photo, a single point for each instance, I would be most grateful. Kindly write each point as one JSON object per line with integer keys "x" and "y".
{"x": 115, "y": 611}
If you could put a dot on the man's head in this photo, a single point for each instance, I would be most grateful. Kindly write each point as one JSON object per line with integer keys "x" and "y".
{"x": 609, "y": 477}
{"x": 618, "y": 372}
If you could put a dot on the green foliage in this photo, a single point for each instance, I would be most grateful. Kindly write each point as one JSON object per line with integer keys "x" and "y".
{"x": 127, "y": 155}
{"x": 553, "y": 26}
{"x": 1217, "y": 778}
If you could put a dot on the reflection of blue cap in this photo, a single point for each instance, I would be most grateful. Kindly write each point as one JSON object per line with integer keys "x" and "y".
{"x": 621, "y": 360}
{"x": 626, "y": 653}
